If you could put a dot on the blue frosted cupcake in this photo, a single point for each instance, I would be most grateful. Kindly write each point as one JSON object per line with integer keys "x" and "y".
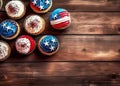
{"x": 9, "y": 29}
{"x": 48, "y": 45}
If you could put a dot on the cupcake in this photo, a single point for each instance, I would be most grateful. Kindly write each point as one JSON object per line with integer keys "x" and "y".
{"x": 9, "y": 29}
{"x": 34, "y": 24}
{"x": 1, "y": 3}
{"x": 15, "y": 9}
{"x": 41, "y": 6}
{"x": 5, "y": 50}
{"x": 60, "y": 19}
{"x": 48, "y": 45}
{"x": 25, "y": 45}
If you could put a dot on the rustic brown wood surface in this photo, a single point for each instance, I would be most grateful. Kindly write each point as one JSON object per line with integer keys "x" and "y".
{"x": 89, "y": 54}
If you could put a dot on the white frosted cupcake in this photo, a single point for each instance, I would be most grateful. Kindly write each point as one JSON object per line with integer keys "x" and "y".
{"x": 34, "y": 24}
{"x": 15, "y": 9}
{"x": 5, "y": 50}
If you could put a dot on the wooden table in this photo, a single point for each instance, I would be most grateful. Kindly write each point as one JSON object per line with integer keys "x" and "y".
{"x": 89, "y": 54}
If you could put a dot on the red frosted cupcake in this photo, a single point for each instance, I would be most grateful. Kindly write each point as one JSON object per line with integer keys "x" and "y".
{"x": 25, "y": 44}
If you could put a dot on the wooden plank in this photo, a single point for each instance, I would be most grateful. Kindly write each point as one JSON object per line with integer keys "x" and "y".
{"x": 62, "y": 73}
{"x": 82, "y": 5}
{"x": 82, "y": 23}
{"x": 76, "y": 48}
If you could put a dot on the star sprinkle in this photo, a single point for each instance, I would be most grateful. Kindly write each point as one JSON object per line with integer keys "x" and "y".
{"x": 34, "y": 2}
{"x": 47, "y": 2}
{"x": 4, "y": 25}
{"x": 52, "y": 48}
{"x": 8, "y": 28}
{"x": 41, "y": 7}
{"x": 53, "y": 40}
{"x": 55, "y": 16}
{"x": 46, "y": 43}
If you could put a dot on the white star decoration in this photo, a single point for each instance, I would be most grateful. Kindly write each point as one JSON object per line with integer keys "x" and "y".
{"x": 52, "y": 48}
{"x": 8, "y": 28}
{"x": 34, "y": 2}
{"x": 47, "y": 2}
{"x": 53, "y": 40}
{"x": 55, "y": 16}
{"x": 46, "y": 43}
{"x": 4, "y": 25}
{"x": 41, "y": 7}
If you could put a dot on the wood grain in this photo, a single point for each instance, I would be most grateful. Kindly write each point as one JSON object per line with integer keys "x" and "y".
{"x": 76, "y": 48}
{"x": 89, "y": 54}
{"x": 82, "y": 5}
{"x": 62, "y": 73}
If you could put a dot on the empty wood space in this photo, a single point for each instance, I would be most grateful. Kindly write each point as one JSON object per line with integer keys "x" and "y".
{"x": 89, "y": 52}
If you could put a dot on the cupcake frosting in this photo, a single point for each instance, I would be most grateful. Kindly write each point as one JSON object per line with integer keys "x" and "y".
{"x": 8, "y": 28}
{"x": 15, "y": 8}
{"x": 4, "y": 50}
{"x": 25, "y": 44}
{"x": 33, "y": 24}
{"x": 49, "y": 43}
{"x": 41, "y": 4}
{"x": 60, "y": 18}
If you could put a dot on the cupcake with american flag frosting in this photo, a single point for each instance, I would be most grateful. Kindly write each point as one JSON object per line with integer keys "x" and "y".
{"x": 9, "y": 29}
{"x": 48, "y": 45}
{"x": 41, "y": 6}
{"x": 60, "y": 19}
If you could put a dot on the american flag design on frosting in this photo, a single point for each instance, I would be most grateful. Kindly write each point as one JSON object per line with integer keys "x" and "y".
{"x": 60, "y": 18}
{"x": 40, "y": 4}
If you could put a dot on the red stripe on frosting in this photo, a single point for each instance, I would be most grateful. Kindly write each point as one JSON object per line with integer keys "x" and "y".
{"x": 64, "y": 13}
{"x": 34, "y": 7}
{"x": 61, "y": 25}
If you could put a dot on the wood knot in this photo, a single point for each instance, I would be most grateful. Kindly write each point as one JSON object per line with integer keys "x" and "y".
{"x": 113, "y": 76}
{"x": 119, "y": 51}
{"x": 118, "y": 28}
{"x": 84, "y": 50}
